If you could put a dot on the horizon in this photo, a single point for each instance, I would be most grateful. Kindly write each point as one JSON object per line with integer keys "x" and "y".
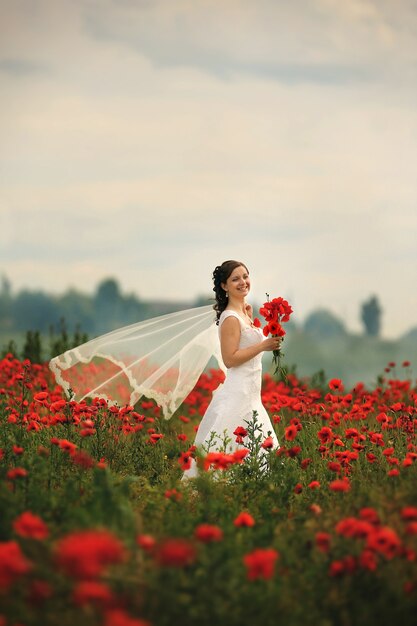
{"x": 299, "y": 320}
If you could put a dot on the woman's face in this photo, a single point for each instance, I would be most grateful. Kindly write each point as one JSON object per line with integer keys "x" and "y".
{"x": 238, "y": 283}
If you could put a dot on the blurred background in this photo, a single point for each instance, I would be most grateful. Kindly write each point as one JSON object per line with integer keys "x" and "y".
{"x": 143, "y": 143}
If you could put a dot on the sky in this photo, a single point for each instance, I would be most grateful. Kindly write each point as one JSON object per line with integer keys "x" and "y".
{"x": 150, "y": 140}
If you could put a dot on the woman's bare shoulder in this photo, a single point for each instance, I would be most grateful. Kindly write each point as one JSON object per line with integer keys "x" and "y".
{"x": 230, "y": 318}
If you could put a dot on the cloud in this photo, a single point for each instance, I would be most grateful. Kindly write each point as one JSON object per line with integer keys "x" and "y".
{"x": 334, "y": 42}
{"x": 20, "y": 67}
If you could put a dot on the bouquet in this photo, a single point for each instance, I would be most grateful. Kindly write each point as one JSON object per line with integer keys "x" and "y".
{"x": 276, "y": 312}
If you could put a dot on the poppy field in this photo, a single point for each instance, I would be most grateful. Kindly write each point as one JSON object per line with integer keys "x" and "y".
{"x": 97, "y": 528}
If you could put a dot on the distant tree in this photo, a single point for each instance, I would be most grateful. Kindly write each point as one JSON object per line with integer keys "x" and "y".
{"x": 6, "y": 321}
{"x": 77, "y": 309}
{"x": 371, "y": 316}
{"x": 108, "y": 303}
{"x": 324, "y": 325}
{"x": 34, "y": 310}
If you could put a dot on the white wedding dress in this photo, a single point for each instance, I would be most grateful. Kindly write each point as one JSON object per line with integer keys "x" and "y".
{"x": 235, "y": 400}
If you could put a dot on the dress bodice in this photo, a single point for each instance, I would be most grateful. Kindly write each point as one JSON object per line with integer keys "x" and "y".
{"x": 249, "y": 335}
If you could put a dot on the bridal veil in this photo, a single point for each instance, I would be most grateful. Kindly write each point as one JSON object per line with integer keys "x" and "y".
{"x": 159, "y": 358}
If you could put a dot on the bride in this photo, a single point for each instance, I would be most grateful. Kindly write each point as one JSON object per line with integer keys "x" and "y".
{"x": 242, "y": 345}
{"x": 163, "y": 357}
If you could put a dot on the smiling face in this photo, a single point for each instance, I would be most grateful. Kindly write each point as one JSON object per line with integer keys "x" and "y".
{"x": 238, "y": 283}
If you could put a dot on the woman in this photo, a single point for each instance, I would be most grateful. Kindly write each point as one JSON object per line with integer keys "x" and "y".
{"x": 242, "y": 345}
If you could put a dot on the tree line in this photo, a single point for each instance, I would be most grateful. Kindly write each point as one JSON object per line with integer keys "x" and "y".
{"x": 73, "y": 317}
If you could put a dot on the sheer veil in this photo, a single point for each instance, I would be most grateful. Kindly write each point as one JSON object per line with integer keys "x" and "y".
{"x": 159, "y": 358}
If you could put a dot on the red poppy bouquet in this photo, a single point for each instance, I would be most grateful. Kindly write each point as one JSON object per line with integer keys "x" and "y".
{"x": 276, "y": 312}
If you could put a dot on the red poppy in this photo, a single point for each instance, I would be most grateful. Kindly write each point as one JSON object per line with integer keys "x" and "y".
{"x": 340, "y": 485}
{"x": 260, "y": 563}
{"x": 146, "y": 542}
{"x": 206, "y": 533}
{"x": 88, "y": 592}
{"x": 268, "y": 443}
{"x": 85, "y": 554}
{"x": 185, "y": 461}
{"x": 336, "y": 384}
{"x": 118, "y": 617}
{"x": 240, "y": 454}
{"x": 325, "y": 434}
{"x": 291, "y": 432}
{"x": 16, "y": 472}
{"x": 411, "y": 528}
{"x": 334, "y": 466}
{"x": 13, "y": 563}
{"x": 385, "y": 541}
{"x": 240, "y": 433}
{"x": 175, "y": 552}
{"x": 30, "y": 525}
{"x": 368, "y": 560}
{"x": 323, "y": 541}
{"x": 315, "y": 508}
{"x": 409, "y": 513}
{"x": 244, "y": 519}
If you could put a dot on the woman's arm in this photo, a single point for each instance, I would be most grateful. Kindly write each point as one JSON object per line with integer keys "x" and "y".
{"x": 229, "y": 343}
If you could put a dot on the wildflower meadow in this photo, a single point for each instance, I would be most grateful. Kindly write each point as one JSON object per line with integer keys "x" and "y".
{"x": 97, "y": 528}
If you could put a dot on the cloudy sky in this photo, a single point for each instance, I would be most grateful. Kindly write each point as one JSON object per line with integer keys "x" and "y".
{"x": 150, "y": 140}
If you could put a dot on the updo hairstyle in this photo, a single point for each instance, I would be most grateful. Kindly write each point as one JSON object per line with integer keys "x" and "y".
{"x": 220, "y": 275}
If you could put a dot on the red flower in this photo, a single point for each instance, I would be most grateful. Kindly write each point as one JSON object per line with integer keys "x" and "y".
{"x": 276, "y": 329}
{"x": 155, "y": 437}
{"x": 13, "y": 563}
{"x": 334, "y": 466}
{"x": 118, "y": 617}
{"x": 16, "y": 472}
{"x": 368, "y": 560}
{"x": 268, "y": 443}
{"x": 173, "y": 494}
{"x": 260, "y": 563}
{"x": 411, "y": 528}
{"x": 30, "y": 525}
{"x": 340, "y": 485}
{"x": 409, "y": 513}
{"x": 175, "y": 552}
{"x": 240, "y": 432}
{"x": 82, "y": 459}
{"x": 386, "y": 541}
{"x": 185, "y": 460}
{"x": 291, "y": 432}
{"x": 315, "y": 484}
{"x": 67, "y": 446}
{"x": 206, "y": 533}
{"x": 85, "y": 554}
{"x": 240, "y": 454}
{"x": 323, "y": 541}
{"x": 244, "y": 519}
{"x": 336, "y": 383}
{"x": 256, "y": 323}
{"x": 92, "y": 592}
{"x": 325, "y": 434}
{"x": 146, "y": 542}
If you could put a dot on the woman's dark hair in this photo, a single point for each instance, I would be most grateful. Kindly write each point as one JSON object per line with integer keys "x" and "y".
{"x": 220, "y": 275}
